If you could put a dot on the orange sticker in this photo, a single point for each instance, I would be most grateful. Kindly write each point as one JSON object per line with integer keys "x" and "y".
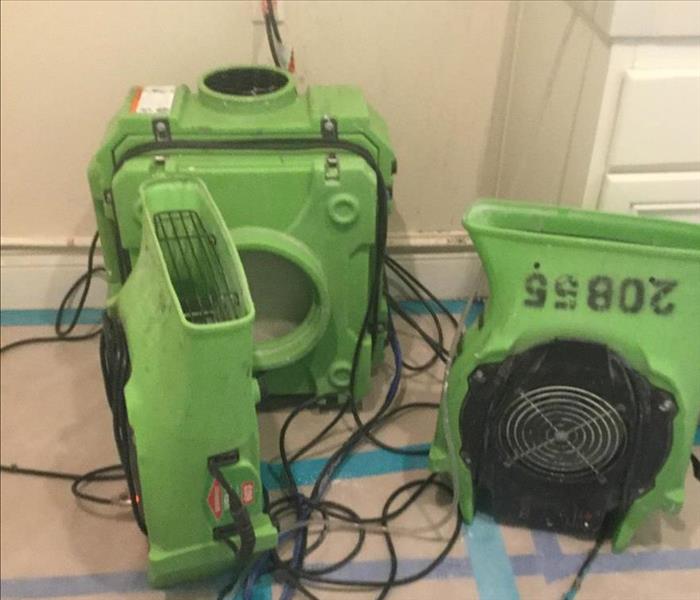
{"x": 135, "y": 100}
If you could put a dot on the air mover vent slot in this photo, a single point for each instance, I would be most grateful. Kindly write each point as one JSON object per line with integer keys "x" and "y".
{"x": 195, "y": 268}
{"x": 246, "y": 81}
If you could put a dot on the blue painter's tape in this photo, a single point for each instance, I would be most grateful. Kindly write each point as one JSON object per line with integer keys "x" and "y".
{"x": 127, "y": 582}
{"x": 370, "y": 570}
{"x": 546, "y": 561}
{"x": 490, "y": 563}
{"x": 130, "y": 582}
{"x": 417, "y": 307}
{"x": 553, "y": 564}
{"x": 12, "y": 317}
{"x": 474, "y": 311}
{"x": 363, "y": 464}
{"x": 453, "y": 306}
{"x": 91, "y": 316}
{"x": 526, "y": 564}
{"x": 263, "y": 590}
{"x": 667, "y": 560}
{"x": 136, "y": 582}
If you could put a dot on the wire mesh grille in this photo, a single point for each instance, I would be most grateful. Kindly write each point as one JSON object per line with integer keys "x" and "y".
{"x": 562, "y": 432}
{"x": 195, "y": 268}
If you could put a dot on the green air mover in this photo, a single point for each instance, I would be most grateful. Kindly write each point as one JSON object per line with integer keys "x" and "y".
{"x": 575, "y": 396}
{"x": 243, "y": 229}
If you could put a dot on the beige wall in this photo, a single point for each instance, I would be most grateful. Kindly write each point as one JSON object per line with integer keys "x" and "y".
{"x": 574, "y": 102}
{"x": 556, "y": 83}
{"x": 430, "y": 68}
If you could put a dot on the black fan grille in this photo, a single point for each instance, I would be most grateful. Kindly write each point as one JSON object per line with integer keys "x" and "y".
{"x": 562, "y": 432}
{"x": 195, "y": 268}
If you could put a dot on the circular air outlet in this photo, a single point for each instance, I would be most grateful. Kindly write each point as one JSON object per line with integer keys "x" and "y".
{"x": 561, "y": 432}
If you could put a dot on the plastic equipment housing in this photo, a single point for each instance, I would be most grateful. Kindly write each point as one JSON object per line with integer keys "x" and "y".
{"x": 637, "y": 285}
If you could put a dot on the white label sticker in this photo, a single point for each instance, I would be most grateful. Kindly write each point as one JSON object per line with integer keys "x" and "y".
{"x": 153, "y": 99}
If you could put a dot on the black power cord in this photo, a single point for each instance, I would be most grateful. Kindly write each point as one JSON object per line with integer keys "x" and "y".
{"x": 64, "y": 333}
{"x": 387, "y": 515}
{"x": 415, "y": 286}
{"x": 407, "y": 276}
{"x": 603, "y": 534}
{"x": 326, "y": 508}
{"x": 424, "y": 296}
{"x": 109, "y": 473}
{"x": 79, "y": 481}
{"x": 305, "y": 506}
{"x": 440, "y": 351}
{"x": 116, "y": 369}
{"x": 370, "y": 320}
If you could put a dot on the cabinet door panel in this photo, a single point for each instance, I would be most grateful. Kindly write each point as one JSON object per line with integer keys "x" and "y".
{"x": 658, "y": 121}
{"x": 667, "y": 195}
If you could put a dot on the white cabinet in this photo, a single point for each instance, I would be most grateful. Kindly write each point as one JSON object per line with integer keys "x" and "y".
{"x": 668, "y": 195}
{"x": 604, "y": 107}
{"x": 657, "y": 125}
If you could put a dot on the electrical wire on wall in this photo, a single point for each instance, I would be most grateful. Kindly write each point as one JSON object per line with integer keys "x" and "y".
{"x": 282, "y": 57}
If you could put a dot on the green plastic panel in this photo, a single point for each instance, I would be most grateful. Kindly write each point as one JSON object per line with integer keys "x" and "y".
{"x": 315, "y": 208}
{"x": 182, "y": 410}
{"x": 197, "y": 372}
{"x": 638, "y": 284}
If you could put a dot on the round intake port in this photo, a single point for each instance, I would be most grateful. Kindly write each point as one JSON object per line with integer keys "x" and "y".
{"x": 282, "y": 294}
{"x": 247, "y": 86}
{"x": 289, "y": 292}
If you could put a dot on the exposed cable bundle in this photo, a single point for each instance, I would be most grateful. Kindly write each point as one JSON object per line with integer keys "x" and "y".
{"x": 274, "y": 39}
{"x": 305, "y": 506}
{"x": 116, "y": 368}
{"x": 333, "y": 515}
{"x": 109, "y": 473}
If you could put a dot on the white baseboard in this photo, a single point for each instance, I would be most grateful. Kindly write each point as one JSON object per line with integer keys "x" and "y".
{"x": 38, "y": 277}
{"x": 450, "y": 276}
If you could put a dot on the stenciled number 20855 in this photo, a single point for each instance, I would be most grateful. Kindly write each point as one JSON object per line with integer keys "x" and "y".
{"x": 601, "y": 293}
